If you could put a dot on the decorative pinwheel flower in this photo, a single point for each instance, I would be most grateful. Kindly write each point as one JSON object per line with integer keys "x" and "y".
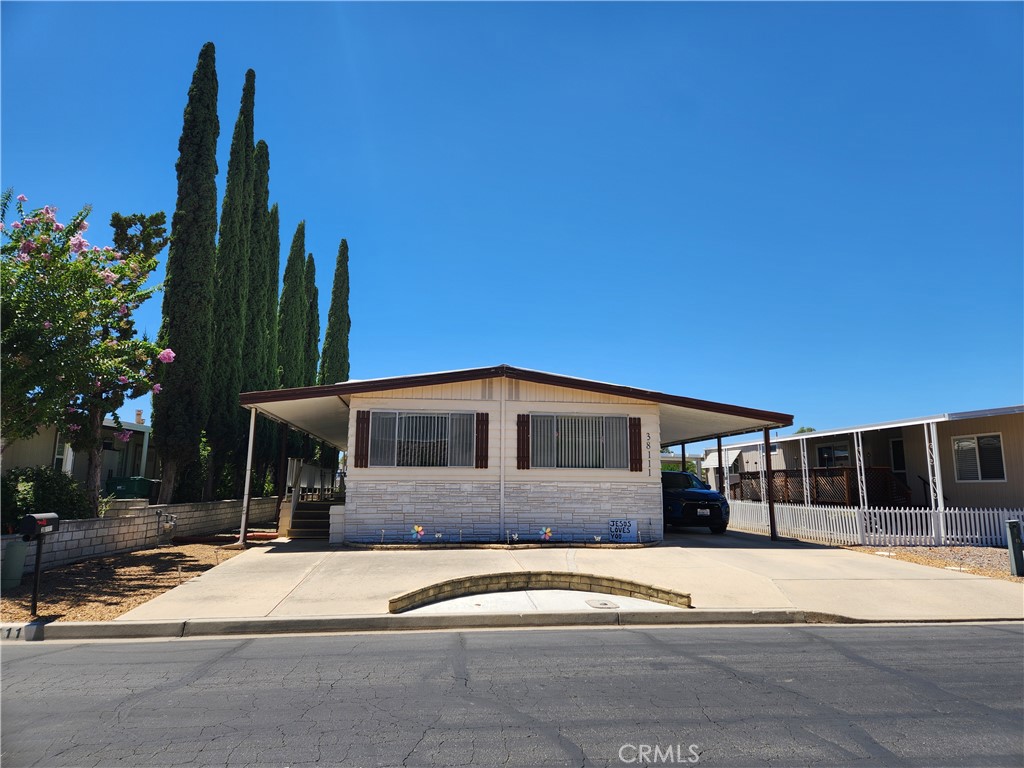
{"x": 417, "y": 531}
{"x": 545, "y": 533}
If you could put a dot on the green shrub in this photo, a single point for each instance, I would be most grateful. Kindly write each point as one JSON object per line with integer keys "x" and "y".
{"x": 32, "y": 490}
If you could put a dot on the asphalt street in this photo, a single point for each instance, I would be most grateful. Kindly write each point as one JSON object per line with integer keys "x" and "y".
{"x": 914, "y": 695}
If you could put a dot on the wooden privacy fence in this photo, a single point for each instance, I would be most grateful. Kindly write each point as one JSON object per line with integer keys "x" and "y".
{"x": 877, "y": 526}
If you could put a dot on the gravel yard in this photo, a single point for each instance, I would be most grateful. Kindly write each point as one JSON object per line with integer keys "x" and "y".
{"x": 993, "y": 562}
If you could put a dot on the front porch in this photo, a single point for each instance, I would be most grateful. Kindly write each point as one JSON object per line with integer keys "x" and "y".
{"x": 826, "y": 485}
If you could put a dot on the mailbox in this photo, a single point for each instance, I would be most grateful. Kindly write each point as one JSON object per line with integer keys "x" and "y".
{"x": 34, "y": 525}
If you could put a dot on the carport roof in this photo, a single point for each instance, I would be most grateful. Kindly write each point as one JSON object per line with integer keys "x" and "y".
{"x": 323, "y": 411}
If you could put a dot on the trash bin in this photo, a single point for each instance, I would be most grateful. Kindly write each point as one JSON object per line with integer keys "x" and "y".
{"x": 139, "y": 487}
{"x": 1015, "y": 546}
{"x": 129, "y": 487}
{"x": 14, "y": 564}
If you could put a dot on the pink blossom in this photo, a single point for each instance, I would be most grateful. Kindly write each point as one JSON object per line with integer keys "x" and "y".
{"x": 16, "y": 225}
{"x": 156, "y": 389}
{"x": 78, "y": 244}
{"x": 30, "y": 220}
{"x": 58, "y": 227}
{"x": 1, "y": 226}
{"x": 22, "y": 199}
{"x": 44, "y": 239}
{"x": 124, "y": 436}
{"x": 167, "y": 356}
{"x": 83, "y": 226}
{"x": 108, "y": 276}
{"x": 74, "y": 427}
{"x": 123, "y": 379}
{"x": 24, "y": 259}
{"x": 47, "y": 325}
{"x": 123, "y": 309}
{"x": 28, "y": 246}
{"x": 72, "y": 409}
{"x": 96, "y": 249}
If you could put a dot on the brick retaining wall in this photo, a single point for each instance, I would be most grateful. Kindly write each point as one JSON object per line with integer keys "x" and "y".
{"x": 127, "y": 527}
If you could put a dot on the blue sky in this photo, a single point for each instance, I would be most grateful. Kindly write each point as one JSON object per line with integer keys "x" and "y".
{"x": 802, "y": 207}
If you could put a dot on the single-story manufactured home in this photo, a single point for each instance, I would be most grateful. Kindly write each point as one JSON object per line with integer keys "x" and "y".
{"x": 970, "y": 459}
{"x": 501, "y": 453}
{"x": 131, "y": 457}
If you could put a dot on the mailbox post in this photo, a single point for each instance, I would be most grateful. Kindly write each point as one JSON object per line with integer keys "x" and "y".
{"x": 36, "y": 527}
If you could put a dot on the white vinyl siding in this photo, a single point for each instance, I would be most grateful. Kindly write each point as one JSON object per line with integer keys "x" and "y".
{"x": 422, "y": 439}
{"x": 978, "y": 458}
{"x": 579, "y": 442}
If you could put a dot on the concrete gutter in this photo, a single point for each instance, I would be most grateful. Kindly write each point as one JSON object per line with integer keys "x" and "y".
{"x": 132, "y": 630}
{"x": 107, "y": 630}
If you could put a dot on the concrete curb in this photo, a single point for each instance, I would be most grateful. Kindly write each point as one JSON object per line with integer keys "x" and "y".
{"x": 132, "y": 630}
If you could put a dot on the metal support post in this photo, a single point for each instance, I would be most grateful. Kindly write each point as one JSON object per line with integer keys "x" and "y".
{"x": 862, "y": 486}
{"x": 243, "y": 527}
{"x": 805, "y": 472}
{"x": 767, "y": 464}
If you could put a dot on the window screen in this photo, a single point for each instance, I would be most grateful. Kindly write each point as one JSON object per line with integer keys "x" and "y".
{"x": 422, "y": 439}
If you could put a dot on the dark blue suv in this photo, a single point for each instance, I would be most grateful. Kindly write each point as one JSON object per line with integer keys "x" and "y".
{"x": 688, "y": 500}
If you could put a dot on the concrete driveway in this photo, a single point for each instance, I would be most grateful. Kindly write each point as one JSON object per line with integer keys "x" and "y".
{"x": 735, "y": 571}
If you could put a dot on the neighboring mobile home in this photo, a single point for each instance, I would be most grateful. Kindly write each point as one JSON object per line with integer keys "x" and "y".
{"x": 134, "y": 457}
{"x": 980, "y": 463}
{"x": 492, "y": 454}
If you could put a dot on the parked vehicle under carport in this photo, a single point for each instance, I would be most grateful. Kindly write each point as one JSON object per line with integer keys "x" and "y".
{"x": 689, "y": 501}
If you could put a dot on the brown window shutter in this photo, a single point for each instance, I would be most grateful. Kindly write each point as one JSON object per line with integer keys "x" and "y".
{"x": 362, "y": 455}
{"x": 482, "y": 427}
{"x": 523, "y": 441}
{"x": 636, "y": 454}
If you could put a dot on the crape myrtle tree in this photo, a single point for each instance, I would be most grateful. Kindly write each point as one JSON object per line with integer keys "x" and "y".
{"x": 181, "y": 409}
{"x": 231, "y": 281}
{"x": 69, "y": 352}
{"x": 334, "y": 358}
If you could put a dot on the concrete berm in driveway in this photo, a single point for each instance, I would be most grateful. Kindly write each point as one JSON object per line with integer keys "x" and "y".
{"x": 290, "y": 586}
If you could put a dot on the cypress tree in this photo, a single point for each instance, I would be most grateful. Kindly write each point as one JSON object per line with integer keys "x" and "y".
{"x": 273, "y": 286}
{"x": 293, "y": 314}
{"x": 232, "y": 290}
{"x": 256, "y": 343}
{"x": 311, "y": 354}
{"x": 257, "y": 373}
{"x": 180, "y": 410}
{"x": 334, "y": 361}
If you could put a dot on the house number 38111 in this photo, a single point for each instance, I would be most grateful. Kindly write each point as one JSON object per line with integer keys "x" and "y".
{"x": 648, "y": 454}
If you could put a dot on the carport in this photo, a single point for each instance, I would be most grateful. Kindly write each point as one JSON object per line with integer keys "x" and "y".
{"x": 503, "y": 398}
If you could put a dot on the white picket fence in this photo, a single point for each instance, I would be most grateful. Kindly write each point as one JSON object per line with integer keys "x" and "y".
{"x": 877, "y": 527}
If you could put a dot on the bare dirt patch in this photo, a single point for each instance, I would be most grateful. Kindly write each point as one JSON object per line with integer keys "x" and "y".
{"x": 104, "y": 588}
{"x": 993, "y": 562}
